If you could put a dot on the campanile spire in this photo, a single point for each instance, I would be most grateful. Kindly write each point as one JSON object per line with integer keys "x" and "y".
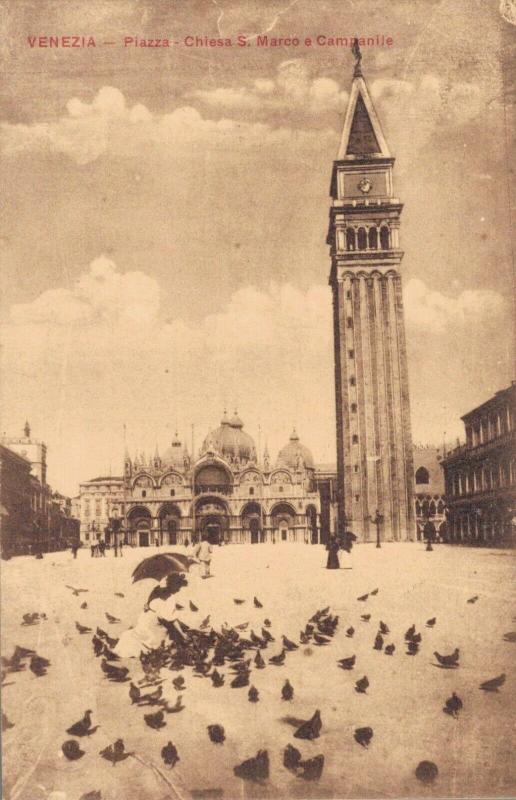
{"x": 374, "y": 444}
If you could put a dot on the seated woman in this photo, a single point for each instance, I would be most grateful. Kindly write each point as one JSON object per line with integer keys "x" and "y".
{"x": 149, "y": 632}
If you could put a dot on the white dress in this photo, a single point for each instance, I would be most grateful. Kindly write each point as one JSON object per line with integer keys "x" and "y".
{"x": 148, "y": 633}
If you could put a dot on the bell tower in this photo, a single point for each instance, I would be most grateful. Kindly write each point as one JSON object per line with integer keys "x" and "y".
{"x": 374, "y": 442}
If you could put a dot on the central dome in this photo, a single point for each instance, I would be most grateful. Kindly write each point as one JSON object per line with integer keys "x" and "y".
{"x": 230, "y": 441}
{"x": 173, "y": 456}
{"x": 295, "y": 454}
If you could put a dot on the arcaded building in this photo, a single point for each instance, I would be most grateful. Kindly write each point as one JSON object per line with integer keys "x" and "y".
{"x": 374, "y": 445}
{"x": 227, "y": 492}
{"x": 480, "y": 475}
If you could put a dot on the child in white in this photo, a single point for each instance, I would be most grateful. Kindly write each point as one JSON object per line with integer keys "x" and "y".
{"x": 203, "y": 553}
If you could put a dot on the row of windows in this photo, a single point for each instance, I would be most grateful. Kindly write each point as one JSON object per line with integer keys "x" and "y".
{"x": 482, "y": 479}
{"x": 363, "y": 239}
{"x": 489, "y": 427}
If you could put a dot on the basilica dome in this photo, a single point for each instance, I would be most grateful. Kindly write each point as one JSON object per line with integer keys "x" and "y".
{"x": 294, "y": 454}
{"x": 173, "y": 456}
{"x": 230, "y": 442}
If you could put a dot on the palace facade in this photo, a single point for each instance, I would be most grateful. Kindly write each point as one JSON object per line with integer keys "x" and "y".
{"x": 226, "y": 492}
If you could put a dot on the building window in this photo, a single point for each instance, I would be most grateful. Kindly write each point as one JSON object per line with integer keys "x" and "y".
{"x": 280, "y": 488}
{"x": 251, "y": 490}
{"x": 422, "y": 475}
{"x": 357, "y": 498}
{"x": 348, "y": 295}
{"x": 144, "y": 493}
{"x": 172, "y": 493}
{"x": 362, "y": 239}
{"x": 384, "y": 238}
{"x": 356, "y": 467}
{"x": 354, "y": 408}
{"x": 373, "y": 239}
{"x": 352, "y": 381}
{"x": 350, "y": 239}
{"x": 351, "y": 353}
{"x": 349, "y": 322}
{"x": 354, "y": 438}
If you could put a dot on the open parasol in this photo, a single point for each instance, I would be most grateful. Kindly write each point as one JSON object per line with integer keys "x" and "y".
{"x": 161, "y": 565}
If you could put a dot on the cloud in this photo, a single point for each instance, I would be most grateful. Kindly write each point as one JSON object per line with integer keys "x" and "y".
{"x": 430, "y": 310}
{"x": 107, "y": 125}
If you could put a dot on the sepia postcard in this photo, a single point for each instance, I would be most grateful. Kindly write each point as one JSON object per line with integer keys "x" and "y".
{"x": 258, "y": 399}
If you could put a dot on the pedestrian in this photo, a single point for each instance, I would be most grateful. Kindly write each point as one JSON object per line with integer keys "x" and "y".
{"x": 120, "y": 548}
{"x": 115, "y": 548}
{"x": 203, "y": 553}
{"x": 102, "y": 548}
{"x": 187, "y": 542}
{"x": 333, "y": 553}
{"x": 75, "y": 547}
{"x": 156, "y": 541}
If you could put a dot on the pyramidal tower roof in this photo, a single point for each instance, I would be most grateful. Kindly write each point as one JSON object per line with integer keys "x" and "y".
{"x": 362, "y": 136}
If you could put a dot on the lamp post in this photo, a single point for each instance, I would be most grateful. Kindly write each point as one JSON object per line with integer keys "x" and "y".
{"x": 377, "y": 520}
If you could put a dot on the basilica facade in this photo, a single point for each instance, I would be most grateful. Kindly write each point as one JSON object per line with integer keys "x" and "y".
{"x": 226, "y": 492}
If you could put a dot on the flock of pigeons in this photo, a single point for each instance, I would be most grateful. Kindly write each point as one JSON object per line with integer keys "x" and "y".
{"x": 228, "y": 656}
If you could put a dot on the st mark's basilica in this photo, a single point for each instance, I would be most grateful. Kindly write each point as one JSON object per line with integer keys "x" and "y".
{"x": 226, "y": 492}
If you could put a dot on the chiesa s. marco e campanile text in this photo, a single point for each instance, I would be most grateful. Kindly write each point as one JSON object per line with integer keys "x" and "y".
{"x": 374, "y": 442}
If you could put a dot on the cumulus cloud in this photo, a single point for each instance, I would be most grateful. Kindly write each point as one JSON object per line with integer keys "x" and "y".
{"x": 108, "y": 124}
{"x": 428, "y": 309}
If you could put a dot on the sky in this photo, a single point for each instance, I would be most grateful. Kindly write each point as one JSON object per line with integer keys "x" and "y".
{"x": 165, "y": 214}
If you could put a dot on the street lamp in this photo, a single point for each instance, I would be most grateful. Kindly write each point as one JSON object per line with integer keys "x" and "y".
{"x": 377, "y": 520}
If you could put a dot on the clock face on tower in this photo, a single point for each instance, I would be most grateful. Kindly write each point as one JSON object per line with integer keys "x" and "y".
{"x": 365, "y": 186}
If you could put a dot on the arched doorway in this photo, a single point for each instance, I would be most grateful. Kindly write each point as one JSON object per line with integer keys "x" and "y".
{"x": 169, "y": 523}
{"x": 140, "y": 522}
{"x": 211, "y": 519}
{"x": 251, "y": 517}
{"x": 283, "y": 522}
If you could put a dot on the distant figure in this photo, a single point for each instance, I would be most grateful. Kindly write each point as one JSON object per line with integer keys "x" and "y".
{"x": 102, "y": 548}
{"x": 75, "y": 548}
{"x": 156, "y": 541}
{"x": 93, "y": 548}
{"x": 115, "y": 548}
{"x": 187, "y": 542}
{"x": 121, "y": 548}
{"x": 333, "y": 553}
{"x": 203, "y": 553}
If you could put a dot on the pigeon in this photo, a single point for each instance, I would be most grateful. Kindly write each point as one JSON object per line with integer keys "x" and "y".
{"x": 363, "y": 597}
{"x": 217, "y": 679}
{"x": 83, "y": 727}
{"x": 253, "y": 695}
{"x": 383, "y": 628}
{"x": 374, "y": 592}
{"x": 321, "y": 640}
{"x": 108, "y": 639}
{"x": 494, "y": 684}
{"x": 242, "y": 679}
{"x": 288, "y": 645}
{"x": 216, "y": 733}
{"x": 30, "y": 619}
{"x": 412, "y": 648}
{"x": 291, "y": 757}
{"x": 389, "y": 649}
{"x": 207, "y": 794}
{"x": 311, "y": 728}
{"x": 238, "y": 601}
{"x": 71, "y": 750}
{"x": 38, "y": 665}
{"x": 110, "y": 655}
{"x": 416, "y": 639}
{"x": 431, "y": 622}
{"x": 117, "y": 674}
{"x": 448, "y": 661}
{"x": 350, "y": 632}
{"x": 363, "y": 736}
{"x": 82, "y": 628}
{"x": 378, "y": 642}
{"x": 259, "y": 663}
{"x": 151, "y": 698}
{"x": 14, "y": 664}
{"x": 169, "y": 755}
{"x": 204, "y": 624}
{"x": 304, "y": 638}
{"x": 362, "y": 685}
{"x": 179, "y": 683}
{"x": 115, "y": 752}
{"x": 242, "y": 627}
{"x": 76, "y": 592}
{"x": 255, "y": 639}
{"x": 176, "y": 708}
{"x": 279, "y": 659}
{"x": 473, "y": 599}
{"x": 257, "y": 603}
{"x": 453, "y": 705}
{"x": 156, "y": 720}
{"x": 426, "y": 771}
{"x": 110, "y": 618}
{"x": 312, "y": 768}
{"x": 6, "y": 724}
{"x": 409, "y": 633}
{"x": 287, "y": 691}
{"x": 98, "y": 645}
{"x": 267, "y": 623}
{"x": 179, "y": 607}
{"x": 510, "y": 636}
{"x": 267, "y": 636}
{"x": 347, "y": 663}
{"x": 134, "y": 693}
{"x": 83, "y": 606}
{"x": 366, "y": 617}
{"x": 96, "y": 794}
{"x": 193, "y": 607}
{"x": 119, "y": 594}
{"x": 254, "y": 769}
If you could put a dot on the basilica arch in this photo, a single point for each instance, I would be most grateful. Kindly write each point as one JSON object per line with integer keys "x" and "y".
{"x": 169, "y": 517}
{"x": 251, "y": 518}
{"x": 283, "y": 519}
{"x": 139, "y": 523}
{"x": 211, "y": 518}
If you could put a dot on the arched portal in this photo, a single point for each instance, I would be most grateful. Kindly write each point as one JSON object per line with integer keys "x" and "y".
{"x": 169, "y": 523}
{"x": 283, "y": 521}
{"x": 212, "y": 478}
{"x": 211, "y": 519}
{"x": 251, "y": 517}
{"x": 139, "y": 521}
